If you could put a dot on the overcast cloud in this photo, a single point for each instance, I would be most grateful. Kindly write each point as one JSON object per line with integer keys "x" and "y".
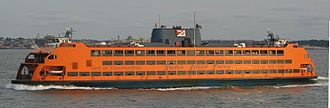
{"x": 221, "y": 19}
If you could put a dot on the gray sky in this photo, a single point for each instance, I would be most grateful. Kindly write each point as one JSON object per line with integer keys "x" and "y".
{"x": 221, "y": 19}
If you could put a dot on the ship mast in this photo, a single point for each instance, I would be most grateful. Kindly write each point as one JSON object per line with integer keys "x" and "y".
{"x": 194, "y": 41}
{"x": 159, "y": 20}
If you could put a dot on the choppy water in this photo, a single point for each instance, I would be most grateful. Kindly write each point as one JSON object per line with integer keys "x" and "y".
{"x": 23, "y": 96}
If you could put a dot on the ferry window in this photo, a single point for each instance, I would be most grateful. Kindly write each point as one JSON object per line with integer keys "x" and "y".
{"x": 255, "y": 52}
{"x": 264, "y": 61}
{"x": 96, "y": 73}
{"x": 181, "y": 62}
{"x": 263, "y": 52}
{"x": 191, "y": 62}
{"x": 219, "y": 61}
{"x": 140, "y": 62}
{"x": 181, "y": 72}
{"x": 139, "y": 53}
{"x": 129, "y": 62}
{"x": 272, "y": 52}
{"x": 264, "y": 71}
{"x": 238, "y": 61}
{"x": 42, "y": 73}
{"x": 150, "y": 52}
{"x": 106, "y": 52}
{"x": 272, "y": 71}
{"x": 288, "y": 71}
{"x": 51, "y": 57}
{"x": 118, "y": 74}
{"x": 280, "y": 61}
{"x": 246, "y": 71}
{"x": 200, "y": 52}
{"x": 210, "y": 61}
{"x": 288, "y": 61}
{"x": 219, "y": 52}
{"x": 72, "y": 73}
{"x": 210, "y": 72}
{"x": 107, "y": 74}
{"x": 106, "y": 62}
{"x": 171, "y": 62}
{"x": 84, "y": 73}
{"x": 181, "y": 52}
{"x": 247, "y": 52}
{"x": 237, "y": 52}
{"x": 210, "y": 52}
{"x": 219, "y": 72}
{"x": 151, "y": 73}
{"x": 161, "y": 62}
{"x": 229, "y": 52}
{"x": 247, "y": 61}
{"x": 74, "y": 65}
{"x": 151, "y": 62}
{"x": 296, "y": 70}
{"x": 118, "y": 62}
{"x": 170, "y": 52}
{"x": 140, "y": 73}
{"x": 95, "y": 53}
{"x": 31, "y": 56}
{"x": 229, "y": 71}
{"x": 280, "y": 52}
{"x": 256, "y": 71}
{"x": 280, "y": 71}
{"x": 129, "y": 73}
{"x": 238, "y": 71}
{"x": 201, "y": 72}
{"x": 272, "y": 61}
{"x": 118, "y": 53}
{"x": 255, "y": 61}
{"x": 160, "y": 52}
{"x": 229, "y": 61}
{"x": 171, "y": 73}
{"x": 192, "y": 72}
{"x": 191, "y": 52}
{"x": 129, "y": 52}
{"x": 161, "y": 73}
{"x": 200, "y": 61}
{"x": 88, "y": 63}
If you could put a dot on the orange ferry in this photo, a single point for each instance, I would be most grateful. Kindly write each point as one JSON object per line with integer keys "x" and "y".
{"x": 175, "y": 57}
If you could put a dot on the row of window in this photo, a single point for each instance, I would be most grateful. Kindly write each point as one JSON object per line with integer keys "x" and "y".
{"x": 199, "y": 72}
{"x": 187, "y": 52}
{"x": 181, "y": 62}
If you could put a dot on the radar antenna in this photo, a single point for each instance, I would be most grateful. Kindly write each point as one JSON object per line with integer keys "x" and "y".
{"x": 270, "y": 34}
{"x": 69, "y": 33}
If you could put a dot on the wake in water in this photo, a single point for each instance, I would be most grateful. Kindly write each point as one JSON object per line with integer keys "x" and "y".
{"x": 302, "y": 85}
{"x": 322, "y": 78}
{"x": 320, "y": 82}
{"x": 48, "y": 87}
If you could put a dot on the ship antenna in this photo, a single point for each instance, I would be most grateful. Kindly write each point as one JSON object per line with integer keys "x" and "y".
{"x": 194, "y": 43}
{"x": 159, "y": 20}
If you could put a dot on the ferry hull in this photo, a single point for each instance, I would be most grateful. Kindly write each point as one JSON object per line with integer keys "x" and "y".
{"x": 173, "y": 83}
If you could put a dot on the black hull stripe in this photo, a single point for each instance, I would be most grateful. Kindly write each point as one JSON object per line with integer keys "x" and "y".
{"x": 172, "y": 83}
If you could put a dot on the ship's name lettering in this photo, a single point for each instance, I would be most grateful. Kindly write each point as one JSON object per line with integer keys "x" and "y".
{"x": 198, "y": 67}
{"x": 173, "y": 67}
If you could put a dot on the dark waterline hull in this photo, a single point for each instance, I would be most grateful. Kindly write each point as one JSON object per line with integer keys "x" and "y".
{"x": 173, "y": 83}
